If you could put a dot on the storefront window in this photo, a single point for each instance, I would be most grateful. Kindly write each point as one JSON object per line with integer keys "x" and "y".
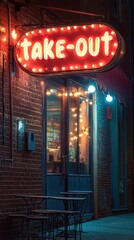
{"x": 54, "y": 103}
{"x": 78, "y": 124}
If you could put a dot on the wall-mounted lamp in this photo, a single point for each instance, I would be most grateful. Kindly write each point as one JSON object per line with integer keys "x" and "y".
{"x": 91, "y": 88}
{"x": 109, "y": 98}
{"x": 14, "y": 34}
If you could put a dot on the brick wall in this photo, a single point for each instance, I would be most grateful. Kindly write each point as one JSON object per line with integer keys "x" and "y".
{"x": 20, "y": 172}
{"x": 103, "y": 148}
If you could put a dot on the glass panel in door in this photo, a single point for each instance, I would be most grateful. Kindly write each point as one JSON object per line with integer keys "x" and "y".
{"x": 83, "y": 135}
{"x": 54, "y": 113}
{"x": 73, "y": 129}
{"x": 78, "y": 130}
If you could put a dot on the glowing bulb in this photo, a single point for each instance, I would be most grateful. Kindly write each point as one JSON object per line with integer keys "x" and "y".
{"x": 51, "y": 90}
{"x": 4, "y": 39}
{"x": 76, "y": 94}
{"x": 109, "y": 98}
{"x": 91, "y": 89}
{"x": 14, "y": 34}
{"x": 59, "y": 94}
{"x": 115, "y": 44}
{"x": 48, "y": 93}
{"x": 2, "y": 29}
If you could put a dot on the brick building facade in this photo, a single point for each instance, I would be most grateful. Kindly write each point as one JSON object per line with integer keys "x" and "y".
{"x": 22, "y": 98}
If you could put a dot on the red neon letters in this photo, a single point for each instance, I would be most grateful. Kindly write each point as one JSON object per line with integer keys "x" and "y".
{"x": 94, "y": 47}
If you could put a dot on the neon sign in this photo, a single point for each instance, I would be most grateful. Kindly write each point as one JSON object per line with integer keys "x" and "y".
{"x": 94, "y": 47}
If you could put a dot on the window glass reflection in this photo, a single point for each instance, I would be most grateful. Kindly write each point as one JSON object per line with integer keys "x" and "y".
{"x": 83, "y": 134}
{"x": 78, "y": 130}
{"x": 54, "y": 100}
{"x": 73, "y": 129}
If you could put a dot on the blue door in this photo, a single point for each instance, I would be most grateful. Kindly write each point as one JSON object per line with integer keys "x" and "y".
{"x": 118, "y": 155}
{"x": 67, "y": 140}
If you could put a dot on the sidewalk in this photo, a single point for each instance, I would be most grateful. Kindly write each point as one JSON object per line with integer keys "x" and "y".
{"x": 119, "y": 227}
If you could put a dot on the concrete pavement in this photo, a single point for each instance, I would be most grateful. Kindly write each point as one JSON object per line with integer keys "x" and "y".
{"x": 118, "y": 227}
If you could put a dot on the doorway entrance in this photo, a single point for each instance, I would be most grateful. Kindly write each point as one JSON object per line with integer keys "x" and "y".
{"x": 68, "y": 148}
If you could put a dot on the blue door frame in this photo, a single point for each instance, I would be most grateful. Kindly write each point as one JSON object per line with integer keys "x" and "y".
{"x": 115, "y": 157}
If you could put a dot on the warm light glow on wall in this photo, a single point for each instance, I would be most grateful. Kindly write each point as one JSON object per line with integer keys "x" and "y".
{"x": 53, "y": 50}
